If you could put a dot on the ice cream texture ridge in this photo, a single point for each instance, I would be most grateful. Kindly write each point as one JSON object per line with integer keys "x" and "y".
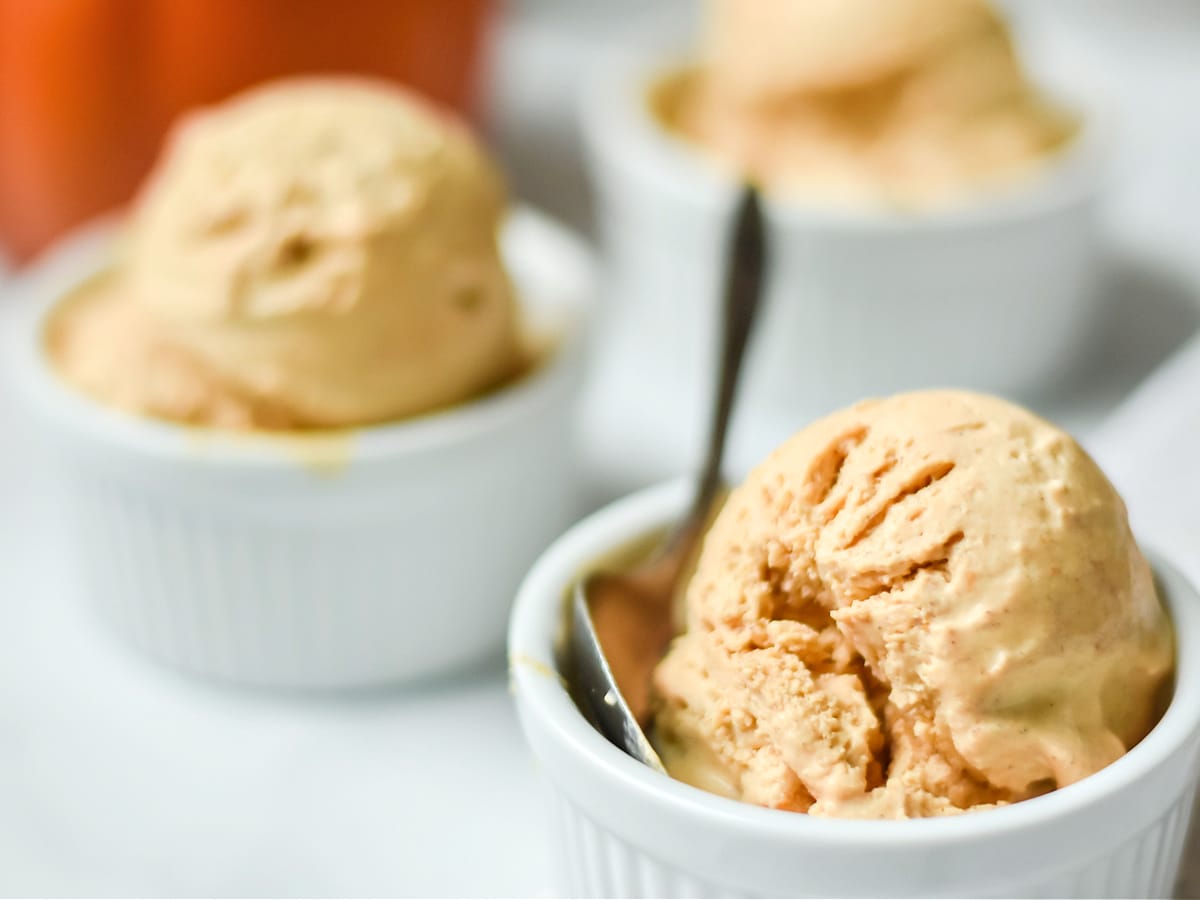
{"x": 914, "y": 607}
{"x": 315, "y": 253}
{"x": 907, "y": 103}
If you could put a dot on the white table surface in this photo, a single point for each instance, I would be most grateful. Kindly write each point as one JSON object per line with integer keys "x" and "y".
{"x": 117, "y": 777}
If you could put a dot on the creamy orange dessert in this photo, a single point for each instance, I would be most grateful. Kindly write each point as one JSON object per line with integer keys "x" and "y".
{"x": 914, "y": 607}
{"x": 909, "y": 103}
{"x": 313, "y": 254}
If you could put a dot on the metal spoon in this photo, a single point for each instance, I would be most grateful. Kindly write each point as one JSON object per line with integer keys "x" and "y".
{"x": 621, "y": 621}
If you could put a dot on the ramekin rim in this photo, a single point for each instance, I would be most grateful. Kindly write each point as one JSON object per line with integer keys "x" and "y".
{"x": 535, "y": 621}
{"x": 616, "y": 120}
{"x": 83, "y": 253}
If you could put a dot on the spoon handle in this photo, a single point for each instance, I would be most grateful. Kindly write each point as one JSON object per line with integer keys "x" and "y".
{"x": 746, "y": 264}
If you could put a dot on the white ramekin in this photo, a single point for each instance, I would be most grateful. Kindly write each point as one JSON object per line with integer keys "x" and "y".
{"x": 326, "y": 561}
{"x": 992, "y": 294}
{"x": 622, "y": 830}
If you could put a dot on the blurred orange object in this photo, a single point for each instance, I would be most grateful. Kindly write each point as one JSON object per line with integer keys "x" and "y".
{"x": 89, "y": 87}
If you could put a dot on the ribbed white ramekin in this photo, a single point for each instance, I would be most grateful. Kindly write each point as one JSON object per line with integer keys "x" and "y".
{"x": 993, "y": 294}
{"x": 329, "y": 560}
{"x": 622, "y": 830}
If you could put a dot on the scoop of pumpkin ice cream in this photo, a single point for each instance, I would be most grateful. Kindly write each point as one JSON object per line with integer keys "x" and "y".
{"x": 914, "y": 607}
{"x": 321, "y": 253}
{"x": 896, "y": 102}
{"x": 759, "y": 50}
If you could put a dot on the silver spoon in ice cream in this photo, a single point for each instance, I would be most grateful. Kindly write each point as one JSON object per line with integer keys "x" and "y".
{"x": 621, "y": 621}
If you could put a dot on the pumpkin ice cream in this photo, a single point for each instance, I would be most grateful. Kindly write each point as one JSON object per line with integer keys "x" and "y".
{"x": 313, "y": 254}
{"x": 914, "y": 607}
{"x": 909, "y": 103}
